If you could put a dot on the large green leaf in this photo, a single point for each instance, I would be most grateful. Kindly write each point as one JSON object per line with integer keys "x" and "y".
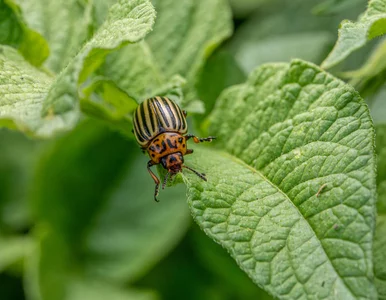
{"x": 14, "y": 32}
{"x": 64, "y": 23}
{"x": 217, "y": 261}
{"x": 291, "y": 190}
{"x": 185, "y": 34}
{"x": 353, "y": 36}
{"x": 38, "y": 104}
{"x": 26, "y": 88}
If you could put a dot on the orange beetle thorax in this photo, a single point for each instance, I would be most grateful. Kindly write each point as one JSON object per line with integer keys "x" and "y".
{"x": 168, "y": 148}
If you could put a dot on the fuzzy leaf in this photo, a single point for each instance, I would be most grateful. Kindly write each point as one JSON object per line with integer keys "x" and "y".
{"x": 40, "y": 105}
{"x": 353, "y": 36}
{"x": 291, "y": 190}
{"x": 104, "y": 100}
{"x": 23, "y": 91}
{"x": 192, "y": 29}
{"x": 14, "y": 32}
{"x": 65, "y": 25}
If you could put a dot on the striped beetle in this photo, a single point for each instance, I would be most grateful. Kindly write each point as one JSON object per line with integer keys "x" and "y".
{"x": 160, "y": 128}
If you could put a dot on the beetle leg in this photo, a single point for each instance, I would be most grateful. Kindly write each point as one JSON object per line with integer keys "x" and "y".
{"x": 165, "y": 180}
{"x": 185, "y": 113}
{"x": 199, "y": 140}
{"x": 155, "y": 178}
{"x": 201, "y": 175}
{"x": 188, "y": 151}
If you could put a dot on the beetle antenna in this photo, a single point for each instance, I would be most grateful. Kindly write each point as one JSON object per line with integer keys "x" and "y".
{"x": 165, "y": 180}
{"x": 201, "y": 175}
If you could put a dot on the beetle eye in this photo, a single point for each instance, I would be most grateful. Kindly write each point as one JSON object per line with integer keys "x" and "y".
{"x": 180, "y": 140}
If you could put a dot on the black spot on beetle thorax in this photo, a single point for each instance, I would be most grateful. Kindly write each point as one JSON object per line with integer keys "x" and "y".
{"x": 164, "y": 144}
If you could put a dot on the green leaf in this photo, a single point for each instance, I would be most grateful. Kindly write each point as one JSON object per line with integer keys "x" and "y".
{"x": 308, "y": 46}
{"x": 291, "y": 190}
{"x": 100, "y": 9}
{"x": 354, "y": 35}
{"x": 217, "y": 260}
{"x": 219, "y": 72}
{"x": 42, "y": 106}
{"x": 65, "y": 25}
{"x": 370, "y": 76}
{"x": 104, "y": 100}
{"x": 13, "y": 249}
{"x": 25, "y": 88}
{"x": 380, "y": 232}
{"x": 272, "y": 35}
{"x": 185, "y": 34}
{"x": 93, "y": 191}
{"x": 14, "y": 32}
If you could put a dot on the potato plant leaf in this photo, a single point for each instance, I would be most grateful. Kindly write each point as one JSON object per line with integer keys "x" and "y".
{"x": 16, "y": 33}
{"x": 291, "y": 189}
{"x": 192, "y": 29}
{"x": 41, "y": 105}
{"x": 354, "y": 35}
{"x": 65, "y": 25}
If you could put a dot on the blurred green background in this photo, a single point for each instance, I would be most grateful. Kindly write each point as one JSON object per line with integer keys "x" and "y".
{"x": 77, "y": 216}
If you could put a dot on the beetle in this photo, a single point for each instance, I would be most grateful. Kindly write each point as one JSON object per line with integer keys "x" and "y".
{"x": 160, "y": 129}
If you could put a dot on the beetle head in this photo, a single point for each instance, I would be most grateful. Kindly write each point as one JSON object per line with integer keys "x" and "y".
{"x": 173, "y": 162}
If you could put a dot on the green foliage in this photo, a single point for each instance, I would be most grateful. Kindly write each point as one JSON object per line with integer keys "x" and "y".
{"x": 353, "y": 36}
{"x": 263, "y": 202}
{"x": 14, "y": 32}
{"x": 292, "y": 176}
{"x": 192, "y": 29}
{"x": 54, "y": 105}
{"x": 64, "y": 24}
{"x": 278, "y": 35}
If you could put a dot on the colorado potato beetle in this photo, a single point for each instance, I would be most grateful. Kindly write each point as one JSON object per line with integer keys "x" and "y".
{"x": 160, "y": 129}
